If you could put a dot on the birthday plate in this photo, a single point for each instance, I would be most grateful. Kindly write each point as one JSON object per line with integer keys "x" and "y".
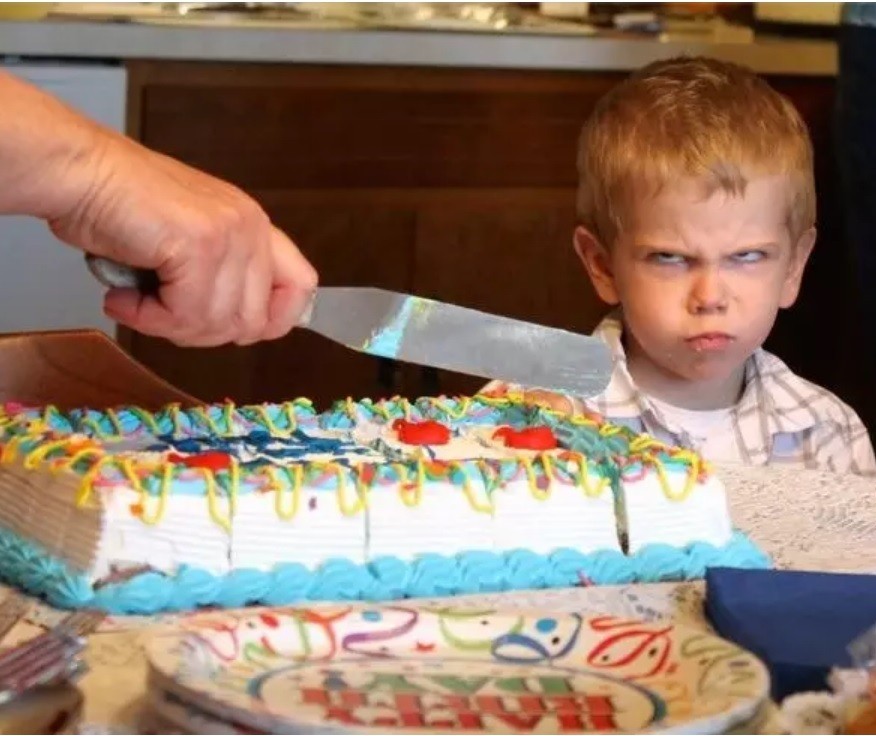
{"x": 415, "y": 669}
{"x": 165, "y": 712}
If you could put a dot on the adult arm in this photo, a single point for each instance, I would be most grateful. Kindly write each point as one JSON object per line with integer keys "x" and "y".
{"x": 227, "y": 274}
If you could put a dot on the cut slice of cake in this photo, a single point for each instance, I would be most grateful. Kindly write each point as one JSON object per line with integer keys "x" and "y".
{"x": 671, "y": 497}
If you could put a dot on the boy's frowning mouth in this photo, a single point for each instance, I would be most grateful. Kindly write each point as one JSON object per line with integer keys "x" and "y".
{"x": 709, "y": 341}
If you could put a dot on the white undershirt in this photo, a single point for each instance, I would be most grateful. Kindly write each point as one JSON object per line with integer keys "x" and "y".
{"x": 711, "y": 430}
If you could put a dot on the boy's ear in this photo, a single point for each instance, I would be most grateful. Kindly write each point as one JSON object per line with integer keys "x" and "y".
{"x": 597, "y": 261}
{"x": 801, "y": 250}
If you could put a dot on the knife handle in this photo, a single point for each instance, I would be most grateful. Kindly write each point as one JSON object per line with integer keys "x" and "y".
{"x": 117, "y": 275}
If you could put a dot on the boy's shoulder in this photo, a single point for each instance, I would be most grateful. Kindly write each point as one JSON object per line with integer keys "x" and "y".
{"x": 796, "y": 403}
{"x": 825, "y": 428}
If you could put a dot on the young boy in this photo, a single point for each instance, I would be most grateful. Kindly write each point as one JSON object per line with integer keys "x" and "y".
{"x": 696, "y": 208}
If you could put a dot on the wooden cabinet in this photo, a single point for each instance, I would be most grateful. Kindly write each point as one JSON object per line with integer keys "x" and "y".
{"x": 350, "y": 242}
{"x": 457, "y": 185}
{"x": 514, "y": 256}
{"x": 450, "y": 183}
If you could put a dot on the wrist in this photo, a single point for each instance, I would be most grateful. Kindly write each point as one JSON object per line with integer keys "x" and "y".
{"x": 49, "y": 154}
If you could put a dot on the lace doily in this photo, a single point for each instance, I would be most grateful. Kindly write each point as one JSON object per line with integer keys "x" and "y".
{"x": 806, "y": 519}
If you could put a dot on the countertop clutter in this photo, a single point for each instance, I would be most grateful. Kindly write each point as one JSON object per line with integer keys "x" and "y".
{"x": 462, "y": 35}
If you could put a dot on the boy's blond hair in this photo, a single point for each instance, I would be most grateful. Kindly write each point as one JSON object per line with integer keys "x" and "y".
{"x": 715, "y": 121}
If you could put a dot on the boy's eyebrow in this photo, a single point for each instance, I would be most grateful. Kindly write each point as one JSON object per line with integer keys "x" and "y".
{"x": 763, "y": 245}
{"x": 680, "y": 248}
{"x": 655, "y": 247}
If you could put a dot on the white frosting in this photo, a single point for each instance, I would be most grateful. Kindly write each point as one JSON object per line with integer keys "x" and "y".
{"x": 566, "y": 518}
{"x": 185, "y": 533}
{"x": 653, "y": 517}
{"x": 443, "y": 521}
{"x": 318, "y": 530}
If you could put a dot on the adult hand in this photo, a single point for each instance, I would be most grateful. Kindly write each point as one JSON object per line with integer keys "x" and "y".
{"x": 227, "y": 274}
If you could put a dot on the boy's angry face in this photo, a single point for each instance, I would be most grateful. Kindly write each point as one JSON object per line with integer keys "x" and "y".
{"x": 701, "y": 276}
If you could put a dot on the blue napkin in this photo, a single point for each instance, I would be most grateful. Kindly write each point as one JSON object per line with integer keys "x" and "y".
{"x": 798, "y": 623}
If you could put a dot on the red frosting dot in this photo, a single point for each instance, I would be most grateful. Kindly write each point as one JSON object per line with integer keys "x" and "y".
{"x": 209, "y": 460}
{"x": 531, "y": 438}
{"x": 421, "y": 433}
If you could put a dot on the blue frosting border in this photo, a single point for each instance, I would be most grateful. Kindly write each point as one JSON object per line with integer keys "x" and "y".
{"x": 26, "y": 565}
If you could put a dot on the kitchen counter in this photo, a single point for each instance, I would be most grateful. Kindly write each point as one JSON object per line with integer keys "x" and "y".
{"x": 295, "y": 43}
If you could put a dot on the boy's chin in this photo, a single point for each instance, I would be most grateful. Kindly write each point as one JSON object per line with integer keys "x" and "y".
{"x": 712, "y": 371}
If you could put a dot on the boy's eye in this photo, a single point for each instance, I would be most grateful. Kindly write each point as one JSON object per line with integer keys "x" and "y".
{"x": 667, "y": 259}
{"x": 749, "y": 256}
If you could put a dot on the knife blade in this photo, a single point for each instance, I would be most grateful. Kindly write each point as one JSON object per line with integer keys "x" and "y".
{"x": 426, "y": 332}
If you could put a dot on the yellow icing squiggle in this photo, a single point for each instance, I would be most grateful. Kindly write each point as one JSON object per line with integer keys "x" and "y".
{"x": 76, "y": 450}
{"x": 161, "y": 503}
{"x": 692, "y": 474}
{"x": 295, "y": 475}
{"x": 204, "y": 416}
{"x": 473, "y": 500}
{"x": 412, "y": 493}
{"x": 346, "y": 508}
{"x": 147, "y": 419}
{"x": 272, "y": 427}
{"x": 115, "y": 421}
{"x": 38, "y": 454}
{"x": 212, "y": 496}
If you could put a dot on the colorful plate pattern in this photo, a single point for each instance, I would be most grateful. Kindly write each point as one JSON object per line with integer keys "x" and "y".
{"x": 415, "y": 669}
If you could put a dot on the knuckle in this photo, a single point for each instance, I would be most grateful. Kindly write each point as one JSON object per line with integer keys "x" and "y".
{"x": 255, "y": 214}
{"x": 309, "y": 279}
{"x": 204, "y": 232}
{"x": 233, "y": 215}
{"x": 243, "y": 211}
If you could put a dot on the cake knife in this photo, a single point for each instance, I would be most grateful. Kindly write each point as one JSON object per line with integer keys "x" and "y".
{"x": 412, "y": 329}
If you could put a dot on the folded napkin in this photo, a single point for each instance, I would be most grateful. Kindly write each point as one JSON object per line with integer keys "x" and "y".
{"x": 798, "y": 623}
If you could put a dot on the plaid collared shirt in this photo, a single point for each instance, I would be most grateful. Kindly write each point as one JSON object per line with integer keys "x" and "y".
{"x": 780, "y": 418}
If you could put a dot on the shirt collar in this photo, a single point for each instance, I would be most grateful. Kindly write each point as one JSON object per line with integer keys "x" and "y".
{"x": 622, "y": 399}
{"x": 784, "y": 410}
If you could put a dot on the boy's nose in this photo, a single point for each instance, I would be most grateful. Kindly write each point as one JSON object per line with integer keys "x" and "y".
{"x": 708, "y": 293}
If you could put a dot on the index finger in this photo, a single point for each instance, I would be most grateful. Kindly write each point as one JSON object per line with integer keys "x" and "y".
{"x": 294, "y": 281}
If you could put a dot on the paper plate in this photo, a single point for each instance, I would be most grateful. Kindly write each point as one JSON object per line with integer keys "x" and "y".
{"x": 413, "y": 669}
{"x": 166, "y": 713}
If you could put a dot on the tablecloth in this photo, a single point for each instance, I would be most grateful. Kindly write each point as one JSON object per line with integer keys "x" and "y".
{"x": 807, "y": 520}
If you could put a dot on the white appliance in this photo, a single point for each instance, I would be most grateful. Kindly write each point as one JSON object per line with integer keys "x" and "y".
{"x": 44, "y": 284}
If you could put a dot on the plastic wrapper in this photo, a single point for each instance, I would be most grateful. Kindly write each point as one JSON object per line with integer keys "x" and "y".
{"x": 856, "y": 686}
